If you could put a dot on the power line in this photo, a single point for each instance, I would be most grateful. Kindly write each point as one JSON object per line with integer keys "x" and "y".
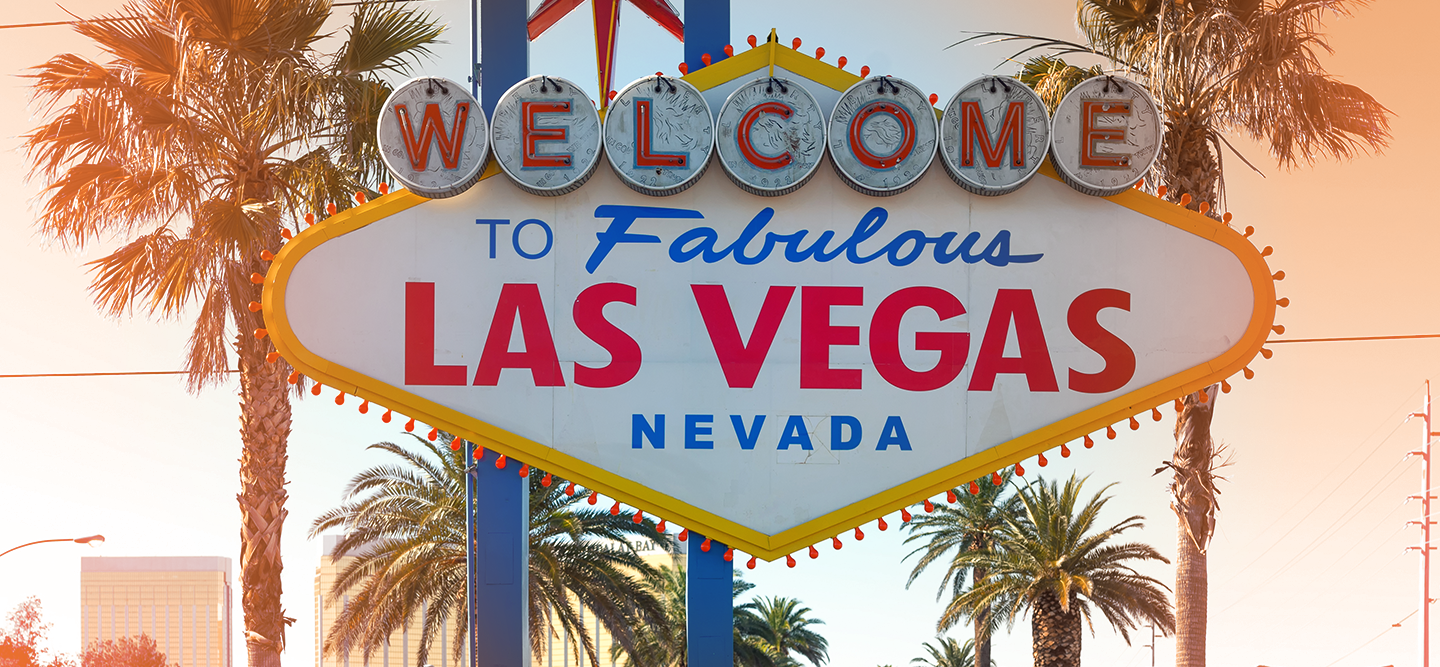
{"x": 1372, "y": 639}
{"x": 110, "y": 374}
{"x": 140, "y": 18}
{"x": 1352, "y": 338}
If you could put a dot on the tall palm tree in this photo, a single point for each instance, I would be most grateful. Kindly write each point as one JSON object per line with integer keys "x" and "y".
{"x": 666, "y": 646}
{"x": 788, "y": 630}
{"x": 1240, "y": 67}
{"x": 209, "y": 126}
{"x": 947, "y": 652}
{"x": 1057, "y": 563}
{"x": 405, "y": 525}
{"x": 972, "y": 524}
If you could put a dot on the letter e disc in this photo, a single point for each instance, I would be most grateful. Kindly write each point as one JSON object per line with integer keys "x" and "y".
{"x": 882, "y": 136}
{"x": 433, "y": 137}
{"x": 770, "y": 136}
{"x": 659, "y": 135}
{"x": 994, "y": 135}
{"x": 1105, "y": 135}
{"x": 546, "y": 135}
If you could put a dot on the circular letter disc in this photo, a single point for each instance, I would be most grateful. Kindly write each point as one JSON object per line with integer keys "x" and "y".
{"x": 770, "y": 136}
{"x": 1106, "y": 134}
{"x": 994, "y": 135}
{"x": 433, "y": 137}
{"x": 882, "y": 136}
{"x": 546, "y": 135}
{"x": 659, "y": 135}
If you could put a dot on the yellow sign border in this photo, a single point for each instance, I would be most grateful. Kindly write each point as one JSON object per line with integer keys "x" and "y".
{"x": 770, "y": 547}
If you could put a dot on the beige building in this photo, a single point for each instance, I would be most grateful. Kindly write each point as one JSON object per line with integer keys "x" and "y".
{"x": 401, "y": 650}
{"x": 183, "y": 603}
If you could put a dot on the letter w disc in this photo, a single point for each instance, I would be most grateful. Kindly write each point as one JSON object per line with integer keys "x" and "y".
{"x": 433, "y": 137}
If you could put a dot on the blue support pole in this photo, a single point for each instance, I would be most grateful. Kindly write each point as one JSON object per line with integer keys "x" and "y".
{"x": 707, "y": 30}
{"x": 497, "y": 503}
{"x": 501, "y": 45}
{"x": 709, "y": 606}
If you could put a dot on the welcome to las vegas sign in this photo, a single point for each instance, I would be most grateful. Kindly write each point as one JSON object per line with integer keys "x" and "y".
{"x": 809, "y": 335}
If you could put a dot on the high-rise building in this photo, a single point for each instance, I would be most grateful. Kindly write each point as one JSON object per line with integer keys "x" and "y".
{"x": 398, "y": 652}
{"x": 183, "y": 603}
{"x": 559, "y": 648}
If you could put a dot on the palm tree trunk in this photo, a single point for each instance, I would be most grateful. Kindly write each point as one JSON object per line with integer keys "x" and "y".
{"x": 982, "y": 622}
{"x": 1193, "y": 500}
{"x": 1055, "y": 633}
{"x": 264, "y": 430}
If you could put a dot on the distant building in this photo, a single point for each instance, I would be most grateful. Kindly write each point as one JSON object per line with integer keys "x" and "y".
{"x": 401, "y": 650}
{"x": 183, "y": 603}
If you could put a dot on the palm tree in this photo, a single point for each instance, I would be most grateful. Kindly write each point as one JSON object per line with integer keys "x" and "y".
{"x": 1054, "y": 562}
{"x": 949, "y": 653}
{"x": 972, "y": 524}
{"x": 666, "y": 646}
{"x": 787, "y": 629}
{"x": 210, "y": 126}
{"x": 405, "y": 525}
{"x": 1217, "y": 67}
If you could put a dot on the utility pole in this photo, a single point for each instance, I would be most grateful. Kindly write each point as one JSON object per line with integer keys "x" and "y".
{"x": 1424, "y": 548}
{"x": 1151, "y": 645}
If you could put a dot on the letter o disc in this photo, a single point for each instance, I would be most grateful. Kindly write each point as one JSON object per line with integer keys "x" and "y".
{"x": 1124, "y": 132}
{"x": 433, "y": 137}
{"x": 659, "y": 135}
{"x": 546, "y": 135}
{"x": 882, "y": 136}
{"x": 770, "y": 136}
{"x": 994, "y": 135}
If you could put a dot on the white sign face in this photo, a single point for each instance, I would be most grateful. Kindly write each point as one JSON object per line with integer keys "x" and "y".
{"x": 659, "y": 135}
{"x": 1107, "y": 134}
{"x": 546, "y": 135}
{"x": 755, "y": 369}
{"x": 994, "y": 135}
{"x": 771, "y": 136}
{"x": 882, "y": 135}
{"x": 433, "y": 137}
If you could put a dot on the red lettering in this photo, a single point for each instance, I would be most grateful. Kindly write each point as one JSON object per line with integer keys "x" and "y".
{"x": 742, "y": 135}
{"x": 1084, "y": 324}
{"x": 590, "y": 320}
{"x": 1090, "y": 134}
{"x": 973, "y": 132}
{"x": 432, "y": 128}
{"x": 741, "y": 361}
{"x": 1017, "y": 305}
{"x": 817, "y": 336}
{"x": 954, "y": 347}
{"x": 420, "y": 365}
{"x": 857, "y": 139}
{"x": 644, "y": 154}
{"x": 532, "y": 134}
{"x": 520, "y": 301}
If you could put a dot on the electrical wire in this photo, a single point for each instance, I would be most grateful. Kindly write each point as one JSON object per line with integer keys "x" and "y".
{"x": 138, "y": 18}
{"x": 1351, "y": 338}
{"x": 1372, "y": 639}
{"x": 110, "y": 374}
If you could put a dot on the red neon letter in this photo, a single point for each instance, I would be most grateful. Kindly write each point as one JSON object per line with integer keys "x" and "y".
{"x": 973, "y": 131}
{"x": 1091, "y": 135}
{"x": 1034, "y": 360}
{"x": 742, "y": 135}
{"x": 1119, "y": 358}
{"x": 432, "y": 127}
{"x": 590, "y": 320}
{"x": 420, "y": 365}
{"x": 885, "y": 339}
{"x": 817, "y": 336}
{"x": 740, "y": 361}
{"x": 644, "y": 157}
{"x": 532, "y": 134}
{"x": 857, "y": 139}
{"x": 520, "y": 301}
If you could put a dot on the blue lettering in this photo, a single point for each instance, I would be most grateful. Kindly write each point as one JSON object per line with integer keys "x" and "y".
{"x": 795, "y": 434}
{"x": 747, "y": 440}
{"x": 515, "y": 239}
{"x": 640, "y": 428}
{"x": 868, "y": 226}
{"x": 621, "y": 217}
{"x": 696, "y": 426}
{"x": 838, "y": 442}
{"x": 493, "y": 224}
{"x": 893, "y": 434}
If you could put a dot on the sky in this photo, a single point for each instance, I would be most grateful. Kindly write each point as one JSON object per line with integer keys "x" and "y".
{"x": 1306, "y": 568}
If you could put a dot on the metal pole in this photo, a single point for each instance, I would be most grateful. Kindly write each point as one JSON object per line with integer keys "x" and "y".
{"x": 709, "y": 605}
{"x": 497, "y": 503}
{"x": 707, "y": 30}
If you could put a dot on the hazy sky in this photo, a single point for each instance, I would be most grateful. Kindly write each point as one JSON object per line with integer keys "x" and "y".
{"x": 1306, "y": 565}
